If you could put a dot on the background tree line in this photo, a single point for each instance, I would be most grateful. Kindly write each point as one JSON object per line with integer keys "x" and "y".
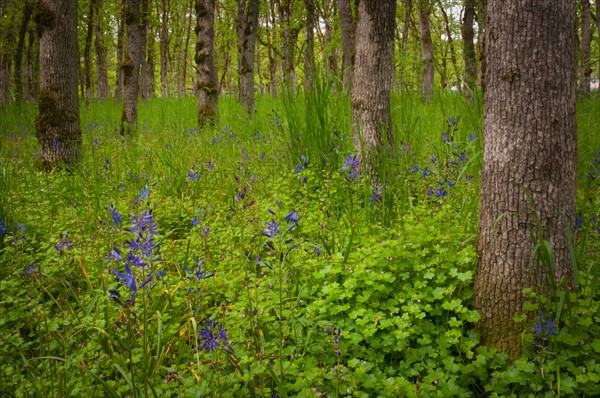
{"x": 437, "y": 45}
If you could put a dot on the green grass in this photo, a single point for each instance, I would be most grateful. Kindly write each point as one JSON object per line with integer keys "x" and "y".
{"x": 363, "y": 297}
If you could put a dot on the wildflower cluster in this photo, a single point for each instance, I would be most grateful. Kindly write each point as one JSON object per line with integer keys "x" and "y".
{"x": 213, "y": 337}
{"x": 543, "y": 329}
{"x": 352, "y": 164}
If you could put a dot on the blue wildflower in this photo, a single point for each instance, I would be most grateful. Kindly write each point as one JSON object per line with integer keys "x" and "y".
{"x": 117, "y": 219}
{"x": 143, "y": 196}
{"x": 128, "y": 277}
{"x": 543, "y": 328}
{"x": 304, "y": 161}
{"x": 206, "y": 231}
{"x": 377, "y": 192}
{"x": 298, "y": 169}
{"x": 30, "y": 270}
{"x": 20, "y": 227}
{"x": 199, "y": 274}
{"x": 210, "y": 165}
{"x": 415, "y": 169}
{"x": 195, "y": 222}
{"x": 578, "y": 222}
{"x": 472, "y": 136}
{"x": 452, "y": 121}
{"x": 271, "y": 229}
{"x": 193, "y": 175}
{"x": 303, "y": 179}
{"x": 213, "y": 336}
{"x": 351, "y": 162}
{"x": 3, "y": 227}
{"x": 426, "y": 172}
{"x": 63, "y": 243}
{"x": 445, "y": 137}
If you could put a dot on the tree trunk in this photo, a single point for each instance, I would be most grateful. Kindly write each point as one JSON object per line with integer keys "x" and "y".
{"x": 271, "y": 52}
{"x": 57, "y": 123}
{"x": 404, "y": 41}
{"x": 480, "y": 6}
{"x": 120, "y": 50}
{"x": 598, "y": 31}
{"x": 131, "y": 66}
{"x": 309, "y": 52}
{"x": 247, "y": 25}
{"x": 372, "y": 80}
{"x": 184, "y": 58}
{"x": 150, "y": 64}
{"x": 207, "y": 82}
{"x": 87, "y": 58}
{"x": 347, "y": 28}
{"x": 585, "y": 67}
{"x": 19, "y": 88}
{"x": 164, "y": 48}
{"x": 31, "y": 74}
{"x": 529, "y": 162}
{"x": 426, "y": 51}
{"x": 6, "y": 37}
{"x": 288, "y": 44}
{"x": 468, "y": 37}
{"x": 450, "y": 42}
{"x": 102, "y": 88}
{"x": 144, "y": 26}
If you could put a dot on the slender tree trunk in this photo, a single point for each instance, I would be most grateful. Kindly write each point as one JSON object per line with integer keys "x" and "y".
{"x": 6, "y": 37}
{"x": 103, "y": 90}
{"x": 19, "y": 88}
{"x": 426, "y": 51}
{"x": 289, "y": 38}
{"x": 131, "y": 66}
{"x": 332, "y": 55}
{"x": 164, "y": 48}
{"x": 87, "y": 57}
{"x": 271, "y": 50}
{"x": 57, "y": 123}
{"x": 450, "y": 42}
{"x": 206, "y": 66}
{"x": 120, "y": 50}
{"x": 404, "y": 41}
{"x": 144, "y": 26}
{"x": 247, "y": 25}
{"x": 347, "y": 28}
{"x": 585, "y": 67}
{"x": 184, "y": 58}
{"x": 598, "y": 32}
{"x": 372, "y": 81}
{"x": 31, "y": 75}
{"x": 150, "y": 64}
{"x": 468, "y": 37}
{"x": 309, "y": 52}
{"x": 529, "y": 162}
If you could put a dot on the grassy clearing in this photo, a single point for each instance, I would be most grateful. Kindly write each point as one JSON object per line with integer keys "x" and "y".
{"x": 272, "y": 270}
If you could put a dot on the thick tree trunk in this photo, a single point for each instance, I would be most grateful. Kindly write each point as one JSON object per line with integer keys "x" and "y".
{"x": 19, "y": 88}
{"x": 530, "y": 159}
{"x": 426, "y": 51}
{"x": 57, "y": 123}
{"x": 347, "y": 28}
{"x": 309, "y": 51}
{"x": 164, "y": 48}
{"x": 247, "y": 24}
{"x": 480, "y": 6}
{"x": 206, "y": 66}
{"x": 372, "y": 81}
{"x": 87, "y": 57}
{"x": 585, "y": 67}
{"x": 468, "y": 37}
{"x": 131, "y": 66}
{"x": 102, "y": 87}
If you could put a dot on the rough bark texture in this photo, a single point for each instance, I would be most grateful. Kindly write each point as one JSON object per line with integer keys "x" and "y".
{"x": 87, "y": 57}
{"x": 288, "y": 43}
{"x": 309, "y": 52}
{"x": 530, "y": 149}
{"x": 102, "y": 87}
{"x": 183, "y": 90}
{"x": 372, "y": 80}
{"x": 131, "y": 66}
{"x": 480, "y": 17}
{"x": 404, "y": 42}
{"x": 585, "y": 67}
{"x": 144, "y": 26}
{"x": 468, "y": 36}
{"x": 598, "y": 32}
{"x": 426, "y": 51}
{"x": 57, "y": 123}
{"x": 6, "y": 37}
{"x": 164, "y": 48}
{"x": 19, "y": 88}
{"x": 347, "y": 28}
{"x": 247, "y": 23}
{"x": 207, "y": 82}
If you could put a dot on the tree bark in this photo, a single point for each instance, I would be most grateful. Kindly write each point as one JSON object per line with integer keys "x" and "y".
{"x": 184, "y": 59}
{"x": 57, "y": 123}
{"x": 7, "y": 36}
{"x": 87, "y": 58}
{"x": 450, "y": 42}
{"x": 207, "y": 82}
{"x": 31, "y": 75}
{"x": 404, "y": 42}
{"x": 585, "y": 67}
{"x": 468, "y": 36}
{"x": 19, "y": 88}
{"x": 530, "y": 159}
{"x": 426, "y": 51}
{"x": 288, "y": 44}
{"x": 144, "y": 26}
{"x": 102, "y": 87}
{"x": 480, "y": 15}
{"x": 372, "y": 80}
{"x": 247, "y": 25}
{"x": 347, "y": 27}
{"x": 131, "y": 66}
{"x": 309, "y": 52}
{"x": 120, "y": 50}
{"x": 164, "y": 48}
{"x": 598, "y": 32}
